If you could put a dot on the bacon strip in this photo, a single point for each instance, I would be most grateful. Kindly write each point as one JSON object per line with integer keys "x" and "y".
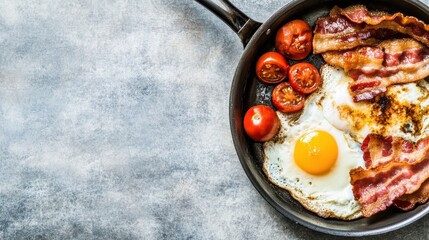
{"x": 397, "y": 173}
{"x": 356, "y": 26}
{"x": 374, "y": 68}
{"x": 379, "y": 150}
{"x": 408, "y": 201}
{"x": 376, "y": 188}
{"x": 387, "y": 54}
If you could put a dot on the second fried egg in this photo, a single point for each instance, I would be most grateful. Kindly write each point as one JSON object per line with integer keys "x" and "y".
{"x": 403, "y": 111}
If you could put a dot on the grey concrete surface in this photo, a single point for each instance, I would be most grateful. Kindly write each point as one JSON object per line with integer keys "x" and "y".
{"x": 114, "y": 125}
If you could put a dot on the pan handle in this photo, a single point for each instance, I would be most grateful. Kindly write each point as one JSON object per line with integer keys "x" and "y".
{"x": 242, "y": 25}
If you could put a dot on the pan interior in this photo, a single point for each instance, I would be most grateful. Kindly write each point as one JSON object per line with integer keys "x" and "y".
{"x": 247, "y": 91}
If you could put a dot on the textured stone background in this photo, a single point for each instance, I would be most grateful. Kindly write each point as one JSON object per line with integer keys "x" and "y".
{"x": 114, "y": 125}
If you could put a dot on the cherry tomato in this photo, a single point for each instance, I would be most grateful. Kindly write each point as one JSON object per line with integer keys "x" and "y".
{"x": 304, "y": 77}
{"x": 286, "y": 99}
{"x": 261, "y": 123}
{"x": 294, "y": 40}
{"x": 272, "y": 68}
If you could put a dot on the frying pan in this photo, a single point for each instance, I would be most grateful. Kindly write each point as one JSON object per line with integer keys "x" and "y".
{"x": 247, "y": 91}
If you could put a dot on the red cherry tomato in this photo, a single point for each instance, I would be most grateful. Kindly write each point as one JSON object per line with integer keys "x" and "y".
{"x": 294, "y": 40}
{"x": 272, "y": 68}
{"x": 261, "y": 123}
{"x": 304, "y": 77}
{"x": 286, "y": 99}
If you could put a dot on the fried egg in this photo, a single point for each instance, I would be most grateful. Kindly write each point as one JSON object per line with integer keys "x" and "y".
{"x": 315, "y": 149}
{"x": 311, "y": 159}
{"x": 402, "y": 111}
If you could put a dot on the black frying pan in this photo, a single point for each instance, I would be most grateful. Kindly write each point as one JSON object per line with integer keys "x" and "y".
{"x": 246, "y": 91}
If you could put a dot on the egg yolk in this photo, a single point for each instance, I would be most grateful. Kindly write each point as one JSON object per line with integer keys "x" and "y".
{"x": 316, "y": 152}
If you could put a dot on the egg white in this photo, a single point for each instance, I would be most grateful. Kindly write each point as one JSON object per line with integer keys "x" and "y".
{"x": 328, "y": 195}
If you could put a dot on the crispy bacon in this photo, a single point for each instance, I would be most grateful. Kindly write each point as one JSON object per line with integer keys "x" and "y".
{"x": 356, "y": 26}
{"x": 386, "y": 54}
{"x": 374, "y": 68}
{"x": 396, "y": 173}
{"x": 376, "y": 188}
{"x": 379, "y": 150}
{"x": 408, "y": 201}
